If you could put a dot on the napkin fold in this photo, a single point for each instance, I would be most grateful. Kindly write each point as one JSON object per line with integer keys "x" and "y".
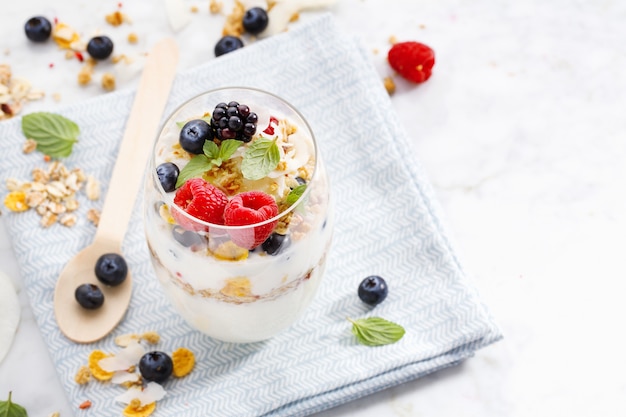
{"x": 387, "y": 223}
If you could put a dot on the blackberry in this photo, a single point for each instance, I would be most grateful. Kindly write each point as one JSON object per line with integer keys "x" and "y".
{"x": 233, "y": 121}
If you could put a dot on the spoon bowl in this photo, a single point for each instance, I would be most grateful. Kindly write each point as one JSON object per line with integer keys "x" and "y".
{"x": 79, "y": 324}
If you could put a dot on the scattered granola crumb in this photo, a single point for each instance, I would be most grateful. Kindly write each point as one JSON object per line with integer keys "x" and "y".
{"x": 82, "y": 376}
{"x": 69, "y": 55}
{"x": 194, "y": 9}
{"x": 375, "y": 51}
{"x": 294, "y": 17}
{"x": 64, "y": 35}
{"x": 92, "y": 188}
{"x": 393, "y": 40}
{"x": 234, "y": 21}
{"x": 14, "y": 93}
{"x": 133, "y": 38}
{"x": 85, "y": 404}
{"x": 390, "y": 85}
{"x": 55, "y": 414}
{"x": 151, "y": 337}
{"x": 85, "y": 73}
{"x": 108, "y": 81}
{"x": 215, "y": 6}
{"x": 93, "y": 215}
{"x": 29, "y": 146}
{"x": 116, "y": 18}
{"x": 422, "y": 26}
{"x": 56, "y": 97}
{"x": 68, "y": 219}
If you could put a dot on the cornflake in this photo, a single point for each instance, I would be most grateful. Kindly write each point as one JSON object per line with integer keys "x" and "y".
{"x": 83, "y": 375}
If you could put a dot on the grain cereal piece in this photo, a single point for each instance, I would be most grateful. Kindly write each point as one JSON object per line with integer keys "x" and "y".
{"x": 184, "y": 361}
{"x": 97, "y": 372}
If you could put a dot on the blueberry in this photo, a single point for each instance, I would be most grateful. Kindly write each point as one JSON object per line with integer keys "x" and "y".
{"x": 168, "y": 174}
{"x": 373, "y": 290}
{"x": 193, "y": 134}
{"x": 186, "y": 238}
{"x": 111, "y": 269}
{"x": 275, "y": 244}
{"x": 155, "y": 366}
{"x": 255, "y": 20}
{"x": 38, "y": 29}
{"x": 227, "y": 44}
{"x": 89, "y": 296}
{"x": 100, "y": 47}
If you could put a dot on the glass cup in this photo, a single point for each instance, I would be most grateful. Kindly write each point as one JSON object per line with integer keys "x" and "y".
{"x": 213, "y": 274}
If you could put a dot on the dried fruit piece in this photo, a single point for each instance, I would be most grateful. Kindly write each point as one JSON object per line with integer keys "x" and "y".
{"x": 412, "y": 60}
{"x": 184, "y": 361}
{"x": 135, "y": 409}
{"x": 97, "y": 372}
{"x": 85, "y": 404}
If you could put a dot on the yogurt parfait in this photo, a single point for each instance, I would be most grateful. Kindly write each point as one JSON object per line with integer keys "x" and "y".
{"x": 237, "y": 213}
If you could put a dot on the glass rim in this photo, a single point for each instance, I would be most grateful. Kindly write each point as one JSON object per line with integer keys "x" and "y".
{"x": 170, "y": 199}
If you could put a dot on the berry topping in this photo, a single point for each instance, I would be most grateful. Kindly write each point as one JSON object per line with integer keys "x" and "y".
{"x": 255, "y": 20}
{"x": 89, "y": 296}
{"x": 275, "y": 244}
{"x": 193, "y": 134}
{"x": 111, "y": 269}
{"x": 250, "y": 208}
{"x": 373, "y": 290}
{"x": 233, "y": 121}
{"x": 38, "y": 29}
{"x": 168, "y": 174}
{"x": 227, "y": 44}
{"x": 100, "y": 47}
{"x": 201, "y": 200}
{"x": 412, "y": 60}
{"x": 156, "y": 366}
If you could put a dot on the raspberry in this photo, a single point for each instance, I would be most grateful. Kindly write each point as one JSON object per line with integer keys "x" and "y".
{"x": 233, "y": 121}
{"x": 246, "y": 208}
{"x": 412, "y": 60}
{"x": 201, "y": 200}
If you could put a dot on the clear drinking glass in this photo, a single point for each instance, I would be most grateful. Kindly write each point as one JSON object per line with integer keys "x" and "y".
{"x": 222, "y": 288}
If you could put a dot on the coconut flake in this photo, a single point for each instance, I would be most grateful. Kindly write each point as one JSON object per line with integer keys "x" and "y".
{"x": 151, "y": 393}
{"x": 125, "y": 358}
{"x": 283, "y": 10}
{"x": 119, "y": 377}
{"x": 177, "y": 13}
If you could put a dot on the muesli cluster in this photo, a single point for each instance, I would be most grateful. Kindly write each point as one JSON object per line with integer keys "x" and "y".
{"x": 51, "y": 193}
{"x": 14, "y": 93}
{"x": 143, "y": 372}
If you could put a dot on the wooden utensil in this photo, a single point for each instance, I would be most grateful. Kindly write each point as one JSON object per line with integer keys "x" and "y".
{"x": 77, "y": 323}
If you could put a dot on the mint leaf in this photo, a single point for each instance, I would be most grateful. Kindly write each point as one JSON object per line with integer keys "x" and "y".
{"x": 260, "y": 159}
{"x": 210, "y": 149}
{"x": 55, "y": 135}
{"x": 197, "y": 166}
{"x": 181, "y": 124}
{"x": 375, "y": 331}
{"x": 10, "y": 409}
{"x": 295, "y": 194}
{"x": 228, "y": 148}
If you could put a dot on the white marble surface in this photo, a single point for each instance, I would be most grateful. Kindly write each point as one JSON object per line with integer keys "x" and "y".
{"x": 522, "y": 132}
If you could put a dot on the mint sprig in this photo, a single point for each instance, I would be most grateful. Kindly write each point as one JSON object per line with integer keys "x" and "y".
{"x": 10, "y": 409}
{"x": 212, "y": 155}
{"x": 295, "y": 194}
{"x": 376, "y": 331}
{"x": 261, "y": 158}
{"x": 55, "y": 135}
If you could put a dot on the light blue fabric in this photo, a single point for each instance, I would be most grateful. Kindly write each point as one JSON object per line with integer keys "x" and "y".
{"x": 387, "y": 224}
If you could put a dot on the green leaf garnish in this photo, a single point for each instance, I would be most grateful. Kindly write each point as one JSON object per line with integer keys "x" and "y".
{"x": 228, "y": 148}
{"x": 181, "y": 124}
{"x": 260, "y": 159}
{"x": 10, "y": 409}
{"x": 210, "y": 149}
{"x": 55, "y": 135}
{"x": 295, "y": 194}
{"x": 375, "y": 331}
{"x": 197, "y": 166}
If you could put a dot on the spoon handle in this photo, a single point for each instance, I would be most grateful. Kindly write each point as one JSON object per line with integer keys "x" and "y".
{"x": 140, "y": 133}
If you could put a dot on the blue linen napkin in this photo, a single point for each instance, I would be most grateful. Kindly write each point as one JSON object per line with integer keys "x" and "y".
{"x": 387, "y": 223}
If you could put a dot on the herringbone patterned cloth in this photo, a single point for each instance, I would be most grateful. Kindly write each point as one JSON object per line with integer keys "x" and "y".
{"x": 387, "y": 224}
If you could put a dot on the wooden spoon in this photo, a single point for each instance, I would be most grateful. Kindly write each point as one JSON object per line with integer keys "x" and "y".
{"x": 77, "y": 323}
